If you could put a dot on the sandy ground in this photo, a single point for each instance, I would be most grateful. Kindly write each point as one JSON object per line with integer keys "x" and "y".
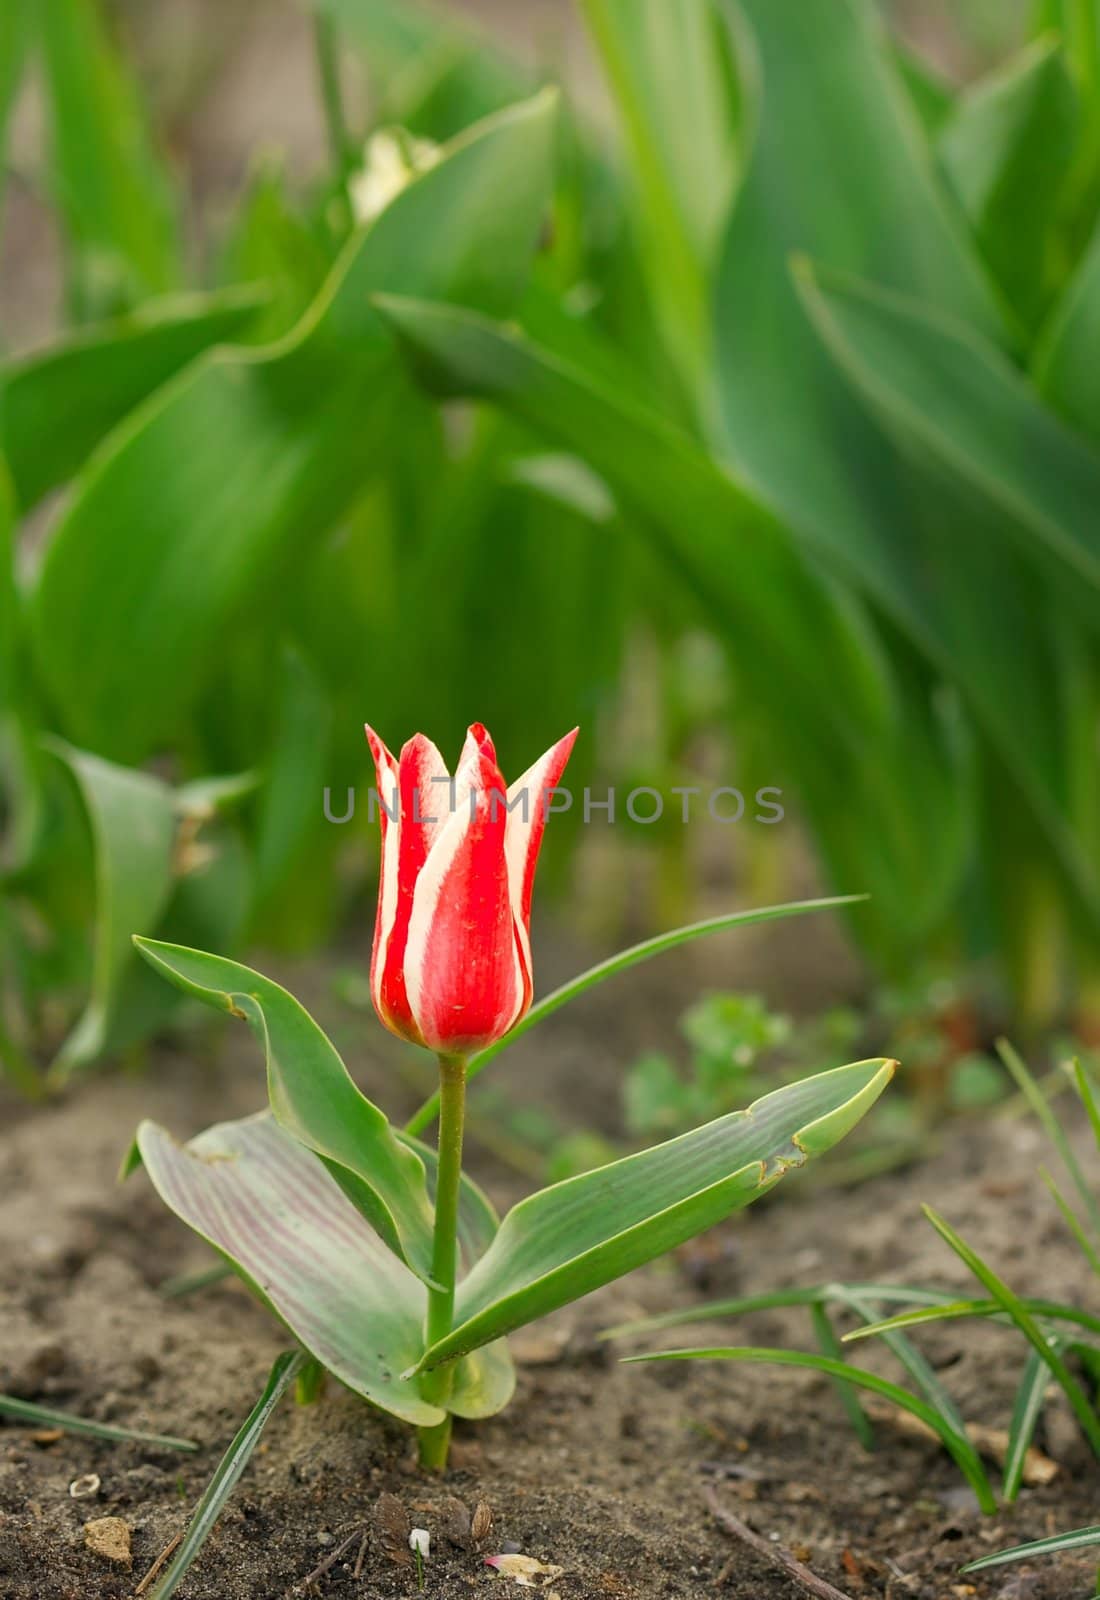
{"x": 598, "y": 1468}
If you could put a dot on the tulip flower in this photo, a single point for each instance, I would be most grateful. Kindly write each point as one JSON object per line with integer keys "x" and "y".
{"x": 451, "y": 967}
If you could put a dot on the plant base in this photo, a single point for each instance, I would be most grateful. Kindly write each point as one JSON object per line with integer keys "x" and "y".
{"x": 435, "y": 1444}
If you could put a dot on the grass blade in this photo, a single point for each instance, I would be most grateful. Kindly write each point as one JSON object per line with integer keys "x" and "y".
{"x": 282, "y": 1376}
{"x": 1052, "y": 1127}
{"x": 953, "y": 1309}
{"x": 1025, "y": 1416}
{"x": 619, "y": 963}
{"x": 743, "y": 1304}
{"x": 1088, "y": 1098}
{"x": 1026, "y": 1323}
{"x": 918, "y": 1368}
{"x": 959, "y": 1448}
{"x": 1072, "y": 1222}
{"x": 185, "y": 1283}
{"x": 849, "y": 1399}
{"x": 46, "y": 1417}
{"x": 1078, "y": 1539}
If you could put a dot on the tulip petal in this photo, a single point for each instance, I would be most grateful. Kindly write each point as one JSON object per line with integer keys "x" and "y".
{"x": 527, "y": 802}
{"x": 465, "y": 982}
{"x": 409, "y": 824}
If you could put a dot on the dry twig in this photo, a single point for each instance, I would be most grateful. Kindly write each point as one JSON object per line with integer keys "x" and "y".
{"x": 774, "y": 1553}
{"x": 169, "y": 1549}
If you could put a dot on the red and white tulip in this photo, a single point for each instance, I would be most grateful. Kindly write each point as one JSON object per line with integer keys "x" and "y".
{"x": 451, "y": 967}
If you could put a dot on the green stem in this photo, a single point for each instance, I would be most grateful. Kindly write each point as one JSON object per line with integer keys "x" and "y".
{"x": 435, "y": 1441}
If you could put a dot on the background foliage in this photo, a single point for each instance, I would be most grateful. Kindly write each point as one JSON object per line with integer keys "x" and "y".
{"x": 746, "y": 415}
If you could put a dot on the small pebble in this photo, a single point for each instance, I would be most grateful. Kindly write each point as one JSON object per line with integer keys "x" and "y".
{"x": 108, "y": 1537}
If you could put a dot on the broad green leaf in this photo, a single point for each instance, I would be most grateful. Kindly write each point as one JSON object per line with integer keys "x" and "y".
{"x": 57, "y": 404}
{"x": 1064, "y": 369}
{"x": 48, "y": 1417}
{"x": 1057, "y": 1544}
{"x": 112, "y": 190}
{"x": 568, "y": 1239}
{"x": 271, "y": 1208}
{"x": 945, "y": 390}
{"x": 620, "y": 962}
{"x": 132, "y": 820}
{"x": 905, "y": 540}
{"x": 962, "y": 1450}
{"x": 294, "y": 778}
{"x": 285, "y": 1370}
{"x": 960, "y": 410}
{"x": 313, "y": 1096}
{"x": 250, "y": 455}
{"x": 1006, "y": 151}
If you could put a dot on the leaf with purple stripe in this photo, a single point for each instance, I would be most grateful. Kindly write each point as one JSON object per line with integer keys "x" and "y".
{"x": 275, "y": 1212}
{"x": 271, "y": 1207}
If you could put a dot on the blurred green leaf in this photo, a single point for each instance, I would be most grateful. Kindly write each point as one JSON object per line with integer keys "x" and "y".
{"x": 272, "y": 244}
{"x": 568, "y": 1239}
{"x": 941, "y": 387}
{"x": 290, "y": 799}
{"x": 1064, "y": 369}
{"x": 817, "y": 682}
{"x": 132, "y": 821}
{"x": 251, "y": 454}
{"x": 113, "y": 191}
{"x": 430, "y": 69}
{"x": 56, "y": 405}
{"x": 1007, "y": 150}
{"x": 672, "y": 70}
{"x": 313, "y": 1096}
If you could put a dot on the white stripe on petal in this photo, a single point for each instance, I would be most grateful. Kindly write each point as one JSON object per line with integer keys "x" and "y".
{"x": 391, "y": 844}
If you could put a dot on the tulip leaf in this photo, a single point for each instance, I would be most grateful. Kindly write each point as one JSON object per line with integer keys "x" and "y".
{"x": 295, "y": 776}
{"x": 252, "y": 453}
{"x": 568, "y": 1239}
{"x": 943, "y": 388}
{"x": 1065, "y": 368}
{"x": 313, "y": 1096}
{"x": 1006, "y": 150}
{"x": 113, "y": 191}
{"x": 132, "y": 819}
{"x": 57, "y": 404}
{"x": 269, "y": 1206}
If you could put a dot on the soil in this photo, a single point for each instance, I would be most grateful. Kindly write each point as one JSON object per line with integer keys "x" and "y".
{"x": 597, "y": 1468}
